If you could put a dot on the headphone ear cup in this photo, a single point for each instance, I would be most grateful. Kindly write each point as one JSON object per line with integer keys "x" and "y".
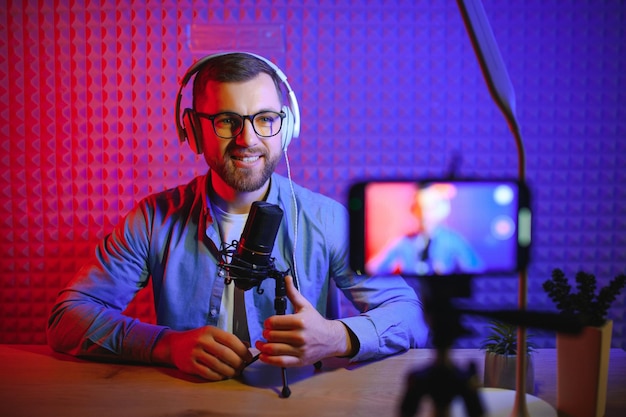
{"x": 193, "y": 130}
{"x": 287, "y": 129}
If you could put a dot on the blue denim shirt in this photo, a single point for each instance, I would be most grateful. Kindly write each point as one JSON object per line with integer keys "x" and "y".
{"x": 171, "y": 238}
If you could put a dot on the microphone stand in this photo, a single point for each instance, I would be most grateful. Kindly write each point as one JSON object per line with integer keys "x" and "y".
{"x": 256, "y": 275}
{"x": 280, "y": 305}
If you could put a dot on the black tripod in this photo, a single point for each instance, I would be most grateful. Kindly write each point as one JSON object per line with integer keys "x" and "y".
{"x": 442, "y": 381}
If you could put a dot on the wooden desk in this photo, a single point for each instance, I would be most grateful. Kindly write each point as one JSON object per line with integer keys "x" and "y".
{"x": 35, "y": 382}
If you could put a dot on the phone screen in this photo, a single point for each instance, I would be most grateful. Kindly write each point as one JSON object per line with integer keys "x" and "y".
{"x": 439, "y": 227}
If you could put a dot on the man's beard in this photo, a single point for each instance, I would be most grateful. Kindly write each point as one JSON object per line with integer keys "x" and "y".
{"x": 243, "y": 179}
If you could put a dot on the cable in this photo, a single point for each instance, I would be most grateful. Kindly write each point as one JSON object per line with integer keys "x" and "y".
{"x": 295, "y": 237}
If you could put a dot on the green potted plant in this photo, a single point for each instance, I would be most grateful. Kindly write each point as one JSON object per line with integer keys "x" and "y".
{"x": 501, "y": 351}
{"x": 590, "y": 306}
{"x": 582, "y": 360}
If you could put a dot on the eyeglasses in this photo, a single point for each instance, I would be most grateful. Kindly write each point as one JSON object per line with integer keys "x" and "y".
{"x": 228, "y": 125}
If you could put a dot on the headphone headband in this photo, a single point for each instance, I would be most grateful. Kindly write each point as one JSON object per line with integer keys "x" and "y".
{"x": 189, "y": 130}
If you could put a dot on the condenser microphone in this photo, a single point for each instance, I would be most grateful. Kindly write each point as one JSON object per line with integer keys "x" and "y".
{"x": 251, "y": 262}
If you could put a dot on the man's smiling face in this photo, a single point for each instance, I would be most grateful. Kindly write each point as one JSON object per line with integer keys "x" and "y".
{"x": 245, "y": 162}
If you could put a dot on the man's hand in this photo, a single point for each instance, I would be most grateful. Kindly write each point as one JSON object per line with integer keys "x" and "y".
{"x": 207, "y": 352}
{"x": 304, "y": 337}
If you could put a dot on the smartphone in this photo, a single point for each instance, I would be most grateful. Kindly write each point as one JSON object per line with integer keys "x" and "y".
{"x": 439, "y": 227}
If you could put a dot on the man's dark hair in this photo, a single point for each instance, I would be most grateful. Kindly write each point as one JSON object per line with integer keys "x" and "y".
{"x": 233, "y": 67}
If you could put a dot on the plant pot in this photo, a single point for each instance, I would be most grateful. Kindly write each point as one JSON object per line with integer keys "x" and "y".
{"x": 582, "y": 371}
{"x": 500, "y": 371}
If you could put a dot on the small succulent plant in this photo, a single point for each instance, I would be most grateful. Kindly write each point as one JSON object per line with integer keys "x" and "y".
{"x": 503, "y": 339}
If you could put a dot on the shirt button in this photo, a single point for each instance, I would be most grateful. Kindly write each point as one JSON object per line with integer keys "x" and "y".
{"x": 213, "y": 312}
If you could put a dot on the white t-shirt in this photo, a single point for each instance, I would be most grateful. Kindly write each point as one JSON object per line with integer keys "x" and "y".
{"x": 230, "y": 226}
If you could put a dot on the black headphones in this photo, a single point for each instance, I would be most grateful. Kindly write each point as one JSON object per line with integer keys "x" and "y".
{"x": 188, "y": 126}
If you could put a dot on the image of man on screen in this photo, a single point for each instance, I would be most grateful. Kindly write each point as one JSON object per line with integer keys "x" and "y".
{"x": 432, "y": 247}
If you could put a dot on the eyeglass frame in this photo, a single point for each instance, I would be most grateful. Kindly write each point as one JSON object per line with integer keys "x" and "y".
{"x": 245, "y": 117}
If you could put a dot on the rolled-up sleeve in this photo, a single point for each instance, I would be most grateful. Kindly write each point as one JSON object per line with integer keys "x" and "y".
{"x": 87, "y": 318}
